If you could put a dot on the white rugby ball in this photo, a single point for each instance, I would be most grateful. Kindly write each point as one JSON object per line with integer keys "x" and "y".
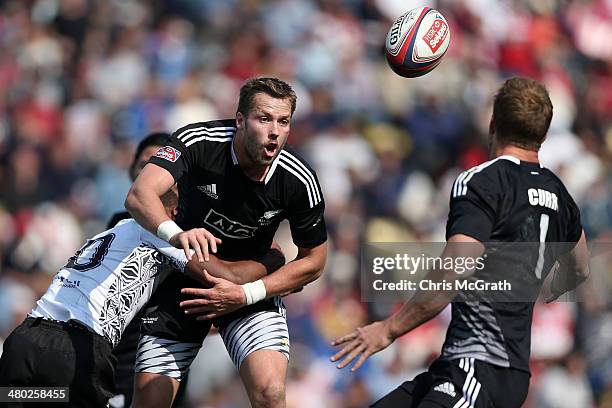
{"x": 417, "y": 41}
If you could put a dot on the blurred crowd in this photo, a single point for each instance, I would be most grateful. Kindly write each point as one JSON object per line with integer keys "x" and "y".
{"x": 82, "y": 81}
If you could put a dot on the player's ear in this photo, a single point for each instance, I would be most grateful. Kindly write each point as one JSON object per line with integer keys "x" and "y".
{"x": 239, "y": 120}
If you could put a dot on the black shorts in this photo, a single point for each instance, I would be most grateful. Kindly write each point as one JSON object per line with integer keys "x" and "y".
{"x": 52, "y": 354}
{"x": 164, "y": 318}
{"x": 461, "y": 383}
{"x": 125, "y": 353}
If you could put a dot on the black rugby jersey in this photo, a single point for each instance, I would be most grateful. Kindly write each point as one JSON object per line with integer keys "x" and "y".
{"x": 506, "y": 203}
{"x": 214, "y": 192}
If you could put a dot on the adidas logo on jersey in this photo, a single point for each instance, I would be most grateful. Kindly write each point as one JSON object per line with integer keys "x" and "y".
{"x": 210, "y": 190}
{"x": 446, "y": 388}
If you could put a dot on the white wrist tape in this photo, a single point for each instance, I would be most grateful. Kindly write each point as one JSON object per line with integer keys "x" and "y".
{"x": 254, "y": 291}
{"x": 167, "y": 230}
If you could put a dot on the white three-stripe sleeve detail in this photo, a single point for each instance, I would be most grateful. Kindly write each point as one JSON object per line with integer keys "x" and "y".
{"x": 215, "y": 131}
{"x": 458, "y": 183}
{"x": 299, "y": 176}
{"x": 304, "y": 170}
{"x": 212, "y": 139}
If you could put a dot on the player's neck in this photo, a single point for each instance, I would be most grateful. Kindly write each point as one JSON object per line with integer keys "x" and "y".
{"x": 251, "y": 169}
{"x": 518, "y": 152}
{"x": 254, "y": 171}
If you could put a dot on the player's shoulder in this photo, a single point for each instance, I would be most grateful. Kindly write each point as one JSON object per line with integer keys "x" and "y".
{"x": 498, "y": 165}
{"x": 298, "y": 175}
{"x": 554, "y": 178}
{"x": 558, "y": 184}
{"x": 125, "y": 227}
{"x": 289, "y": 156}
{"x": 124, "y": 236}
{"x": 214, "y": 131}
{"x": 490, "y": 175}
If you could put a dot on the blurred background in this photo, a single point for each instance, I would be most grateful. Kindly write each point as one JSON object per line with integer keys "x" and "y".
{"x": 82, "y": 81}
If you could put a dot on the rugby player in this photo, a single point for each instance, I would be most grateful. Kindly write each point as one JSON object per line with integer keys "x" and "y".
{"x": 67, "y": 339}
{"x": 237, "y": 181}
{"x": 503, "y": 200}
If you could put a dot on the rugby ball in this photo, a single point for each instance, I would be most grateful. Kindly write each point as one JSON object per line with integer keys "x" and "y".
{"x": 417, "y": 41}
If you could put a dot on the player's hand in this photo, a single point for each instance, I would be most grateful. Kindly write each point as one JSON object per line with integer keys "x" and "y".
{"x": 199, "y": 239}
{"x": 221, "y": 298}
{"x": 362, "y": 342}
{"x": 552, "y": 293}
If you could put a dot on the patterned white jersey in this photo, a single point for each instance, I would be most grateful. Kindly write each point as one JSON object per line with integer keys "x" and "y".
{"x": 110, "y": 279}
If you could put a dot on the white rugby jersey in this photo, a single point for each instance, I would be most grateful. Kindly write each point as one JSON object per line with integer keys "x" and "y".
{"x": 110, "y": 279}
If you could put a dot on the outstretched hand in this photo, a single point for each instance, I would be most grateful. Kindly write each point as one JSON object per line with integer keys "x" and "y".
{"x": 220, "y": 298}
{"x": 200, "y": 240}
{"x": 362, "y": 342}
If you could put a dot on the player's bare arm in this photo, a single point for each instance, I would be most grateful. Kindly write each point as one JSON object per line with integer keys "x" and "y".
{"x": 144, "y": 204}
{"x": 572, "y": 271}
{"x": 238, "y": 272}
{"x": 307, "y": 267}
{"x": 143, "y": 200}
{"x": 225, "y": 297}
{"x": 423, "y": 306}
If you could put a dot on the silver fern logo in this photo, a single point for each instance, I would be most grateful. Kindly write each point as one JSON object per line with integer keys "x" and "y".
{"x": 210, "y": 190}
{"x": 266, "y": 218}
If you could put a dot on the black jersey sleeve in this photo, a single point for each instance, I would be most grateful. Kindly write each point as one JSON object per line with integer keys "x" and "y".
{"x": 306, "y": 211}
{"x": 575, "y": 224}
{"x": 175, "y": 156}
{"x": 187, "y": 147}
{"x": 473, "y": 204}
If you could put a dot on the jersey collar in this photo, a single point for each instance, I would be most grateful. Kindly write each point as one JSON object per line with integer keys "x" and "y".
{"x": 515, "y": 160}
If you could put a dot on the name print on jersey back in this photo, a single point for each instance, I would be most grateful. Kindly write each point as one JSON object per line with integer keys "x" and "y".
{"x": 543, "y": 198}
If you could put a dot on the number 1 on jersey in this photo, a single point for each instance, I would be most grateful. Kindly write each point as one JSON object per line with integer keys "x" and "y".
{"x": 544, "y": 218}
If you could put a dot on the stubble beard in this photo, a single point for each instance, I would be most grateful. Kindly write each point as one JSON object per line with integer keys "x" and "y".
{"x": 254, "y": 150}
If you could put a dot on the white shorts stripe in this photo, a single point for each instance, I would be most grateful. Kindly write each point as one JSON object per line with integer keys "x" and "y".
{"x": 274, "y": 328}
{"x": 471, "y": 386}
{"x": 166, "y": 357}
{"x": 241, "y": 326}
{"x": 475, "y": 394}
{"x": 265, "y": 330}
{"x": 460, "y": 404}
{"x": 468, "y": 378}
{"x": 471, "y": 389}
